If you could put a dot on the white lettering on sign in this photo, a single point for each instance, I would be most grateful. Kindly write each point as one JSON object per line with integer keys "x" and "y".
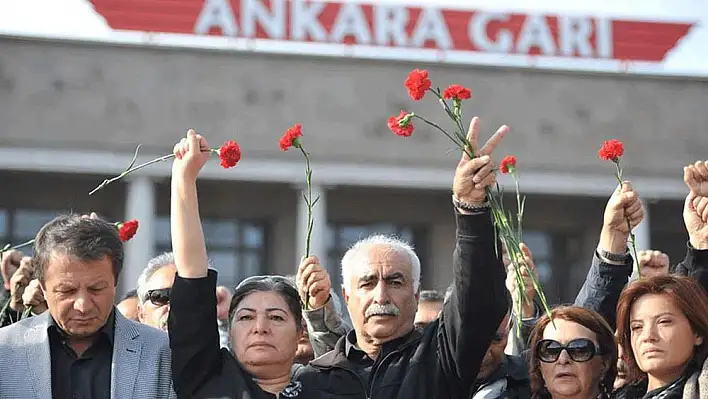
{"x": 575, "y": 35}
{"x": 351, "y": 22}
{"x": 477, "y": 31}
{"x": 216, "y": 14}
{"x": 390, "y": 25}
{"x": 272, "y": 21}
{"x": 305, "y": 21}
{"x": 603, "y": 37}
{"x": 385, "y": 25}
{"x": 535, "y": 33}
{"x": 431, "y": 26}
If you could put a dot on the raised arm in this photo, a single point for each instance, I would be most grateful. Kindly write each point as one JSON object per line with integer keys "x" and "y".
{"x": 612, "y": 264}
{"x": 695, "y": 217}
{"x": 191, "y": 153}
{"x": 478, "y": 301}
{"x": 325, "y": 325}
{"x": 194, "y": 337}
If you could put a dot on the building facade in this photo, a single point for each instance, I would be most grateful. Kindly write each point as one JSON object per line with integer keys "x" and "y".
{"x": 72, "y": 113}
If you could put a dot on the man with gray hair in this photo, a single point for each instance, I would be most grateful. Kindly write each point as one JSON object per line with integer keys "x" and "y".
{"x": 430, "y": 305}
{"x": 153, "y": 290}
{"x": 154, "y": 285}
{"x": 385, "y": 355}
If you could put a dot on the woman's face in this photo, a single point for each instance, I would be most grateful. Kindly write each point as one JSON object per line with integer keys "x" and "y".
{"x": 565, "y": 376}
{"x": 264, "y": 333}
{"x": 662, "y": 338}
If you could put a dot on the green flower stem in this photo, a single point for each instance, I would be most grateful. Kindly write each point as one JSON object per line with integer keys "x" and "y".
{"x": 310, "y": 205}
{"x": 131, "y": 168}
{"x": 27, "y": 313}
{"x": 5, "y": 306}
{"x": 18, "y": 246}
{"x": 632, "y": 238}
{"x": 436, "y": 126}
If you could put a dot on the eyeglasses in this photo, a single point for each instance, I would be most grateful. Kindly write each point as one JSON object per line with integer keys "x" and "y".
{"x": 159, "y": 297}
{"x": 579, "y": 350}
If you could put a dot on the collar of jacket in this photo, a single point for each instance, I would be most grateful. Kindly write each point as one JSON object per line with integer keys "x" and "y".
{"x": 338, "y": 356}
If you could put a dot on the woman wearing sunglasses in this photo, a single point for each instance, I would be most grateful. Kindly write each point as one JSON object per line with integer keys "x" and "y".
{"x": 573, "y": 357}
{"x": 662, "y": 325}
{"x": 264, "y": 316}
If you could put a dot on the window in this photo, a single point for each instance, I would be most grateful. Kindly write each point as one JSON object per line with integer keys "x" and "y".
{"x": 236, "y": 248}
{"x": 540, "y": 244}
{"x": 342, "y": 236}
{"x": 22, "y": 225}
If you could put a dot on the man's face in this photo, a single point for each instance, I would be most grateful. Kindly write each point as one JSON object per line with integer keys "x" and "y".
{"x": 428, "y": 311}
{"x": 79, "y": 294}
{"x": 304, "y": 353}
{"x": 380, "y": 295}
{"x": 156, "y": 308}
{"x": 129, "y": 308}
{"x": 493, "y": 358}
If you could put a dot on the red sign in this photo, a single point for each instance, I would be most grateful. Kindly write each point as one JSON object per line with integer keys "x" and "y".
{"x": 401, "y": 27}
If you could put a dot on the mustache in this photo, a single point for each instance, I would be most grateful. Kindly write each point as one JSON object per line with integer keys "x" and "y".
{"x": 388, "y": 309}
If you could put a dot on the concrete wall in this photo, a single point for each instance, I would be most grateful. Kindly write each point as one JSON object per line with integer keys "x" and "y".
{"x": 96, "y": 96}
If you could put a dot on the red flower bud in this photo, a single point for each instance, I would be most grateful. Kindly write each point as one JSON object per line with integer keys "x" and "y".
{"x": 230, "y": 154}
{"x": 417, "y": 84}
{"x": 401, "y": 124}
{"x": 127, "y": 230}
{"x": 611, "y": 150}
{"x": 457, "y": 92}
{"x": 508, "y": 164}
{"x": 290, "y": 138}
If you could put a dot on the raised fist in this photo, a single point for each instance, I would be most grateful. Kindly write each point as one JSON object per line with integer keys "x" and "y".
{"x": 624, "y": 204}
{"x": 696, "y": 177}
{"x": 313, "y": 283}
{"x": 191, "y": 153}
{"x": 653, "y": 263}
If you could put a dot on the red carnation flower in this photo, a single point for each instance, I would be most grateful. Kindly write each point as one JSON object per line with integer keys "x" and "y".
{"x": 417, "y": 84}
{"x": 230, "y": 154}
{"x": 611, "y": 150}
{"x": 127, "y": 230}
{"x": 290, "y": 137}
{"x": 508, "y": 164}
{"x": 457, "y": 92}
{"x": 401, "y": 124}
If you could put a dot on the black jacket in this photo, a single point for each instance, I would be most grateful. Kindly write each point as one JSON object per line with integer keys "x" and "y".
{"x": 442, "y": 360}
{"x": 514, "y": 370}
{"x": 200, "y": 367}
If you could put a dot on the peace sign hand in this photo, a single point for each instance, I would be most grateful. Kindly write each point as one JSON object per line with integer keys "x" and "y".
{"x": 474, "y": 175}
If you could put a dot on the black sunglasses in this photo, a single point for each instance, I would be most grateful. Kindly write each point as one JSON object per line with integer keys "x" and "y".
{"x": 159, "y": 297}
{"x": 579, "y": 350}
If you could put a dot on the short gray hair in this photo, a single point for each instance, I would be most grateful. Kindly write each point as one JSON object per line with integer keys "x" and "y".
{"x": 154, "y": 264}
{"x": 396, "y": 244}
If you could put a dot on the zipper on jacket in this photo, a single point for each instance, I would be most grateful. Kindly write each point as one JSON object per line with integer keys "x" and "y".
{"x": 363, "y": 385}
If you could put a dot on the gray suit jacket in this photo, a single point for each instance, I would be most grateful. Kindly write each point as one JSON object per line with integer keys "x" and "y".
{"x": 140, "y": 367}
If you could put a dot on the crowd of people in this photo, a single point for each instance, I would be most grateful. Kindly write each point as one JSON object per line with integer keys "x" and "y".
{"x": 65, "y": 334}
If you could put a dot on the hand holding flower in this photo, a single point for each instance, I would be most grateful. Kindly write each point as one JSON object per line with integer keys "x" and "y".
{"x": 191, "y": 154}
{"x": 33, "y": 298}
{"x": 475, "y": 174}
{"x": 229, "y": 154}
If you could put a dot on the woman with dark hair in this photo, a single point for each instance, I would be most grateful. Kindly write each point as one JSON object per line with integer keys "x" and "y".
{"x": 662, "y": 325}
{"x": 574, "y": 356}
{"x": 264, "y": 315}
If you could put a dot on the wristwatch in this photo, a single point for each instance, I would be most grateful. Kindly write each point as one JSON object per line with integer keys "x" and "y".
{"x": 465, "y": 206}
{"x": 613, "y": 257}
